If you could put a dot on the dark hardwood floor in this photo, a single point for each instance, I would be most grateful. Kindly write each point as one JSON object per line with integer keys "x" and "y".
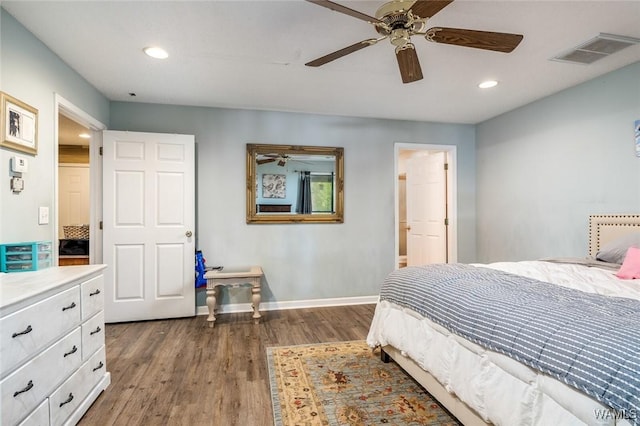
{"x": 181, "y": 372}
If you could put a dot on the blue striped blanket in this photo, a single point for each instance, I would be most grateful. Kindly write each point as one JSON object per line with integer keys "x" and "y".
{"x": 588, "y": 341}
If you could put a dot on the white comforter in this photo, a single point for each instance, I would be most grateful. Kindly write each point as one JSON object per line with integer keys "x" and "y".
{"x": 501, "y": 390}
{"x": 579, "y": 277}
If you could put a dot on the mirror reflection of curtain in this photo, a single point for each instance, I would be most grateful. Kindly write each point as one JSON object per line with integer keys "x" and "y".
{"x": 304, "y": 193}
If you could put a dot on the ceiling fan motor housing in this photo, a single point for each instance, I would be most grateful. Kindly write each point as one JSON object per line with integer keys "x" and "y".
{"x": 399, "y": 24}
{"x": 397, "y": 7}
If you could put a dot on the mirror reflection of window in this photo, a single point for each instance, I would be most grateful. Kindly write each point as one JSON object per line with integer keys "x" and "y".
{"x": 322, "y": 195}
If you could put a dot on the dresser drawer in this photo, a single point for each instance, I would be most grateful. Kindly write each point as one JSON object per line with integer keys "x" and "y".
{"x": 29, "y": 330}
{"x": 66, "y": 399}
{"x": 92, "y": 335}
{"x": 39, "y": 416}
{"x": 24, "y": 389}
{"x": 92, "y": 292}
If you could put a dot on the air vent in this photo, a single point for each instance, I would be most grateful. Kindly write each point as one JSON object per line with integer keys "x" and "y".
{"x": 598, "y": 47}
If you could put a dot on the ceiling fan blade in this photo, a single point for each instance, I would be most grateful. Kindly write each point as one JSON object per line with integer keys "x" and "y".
{"x": 410, "y": 70}
{"x": 265, "y": 160}
{"x": 428, "y": 8}
{"x": 487, "y": 40}
{"x": 342, "y": 52}
{"x": 343, "y": 9}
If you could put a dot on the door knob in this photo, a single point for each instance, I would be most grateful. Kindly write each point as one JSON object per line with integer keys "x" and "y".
{"x": 408, "y": 228}
{"x": 188, "y": 234}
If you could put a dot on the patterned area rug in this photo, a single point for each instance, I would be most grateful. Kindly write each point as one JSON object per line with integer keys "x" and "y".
{"x": 346, "y": 383}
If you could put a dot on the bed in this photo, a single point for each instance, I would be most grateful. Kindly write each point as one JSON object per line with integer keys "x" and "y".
{"x": 507, "y": 381}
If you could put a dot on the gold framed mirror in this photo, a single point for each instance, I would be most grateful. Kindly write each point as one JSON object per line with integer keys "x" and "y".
{"x": 295, "y": 184}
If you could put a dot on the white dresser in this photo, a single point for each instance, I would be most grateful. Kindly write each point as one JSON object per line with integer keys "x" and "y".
{"x": 52, "y": 353}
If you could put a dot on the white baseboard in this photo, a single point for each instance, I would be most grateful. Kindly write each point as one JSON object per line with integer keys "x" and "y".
{"x": 293, "y": 304}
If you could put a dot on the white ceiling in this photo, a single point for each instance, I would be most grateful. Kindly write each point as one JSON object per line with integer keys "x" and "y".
{"x": 251, "y": 54}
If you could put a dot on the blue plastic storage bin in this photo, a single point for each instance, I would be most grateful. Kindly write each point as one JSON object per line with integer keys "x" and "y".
{"x": 21, "y": 257}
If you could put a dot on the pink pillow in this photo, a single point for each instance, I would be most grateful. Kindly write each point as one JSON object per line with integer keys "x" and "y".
{"x": 630, "y": 268}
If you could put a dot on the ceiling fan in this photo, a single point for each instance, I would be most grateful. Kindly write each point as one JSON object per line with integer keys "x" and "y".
{"x": 270, "y": 158}
{"x": 281, "y": 159}
{"x": 399, "y": 20}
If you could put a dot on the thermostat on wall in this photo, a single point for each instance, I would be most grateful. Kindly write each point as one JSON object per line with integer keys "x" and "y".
{"x": 19, "y": 164}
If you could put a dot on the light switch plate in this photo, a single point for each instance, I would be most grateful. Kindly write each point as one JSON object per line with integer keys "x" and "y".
{"x": 43, "y": 215}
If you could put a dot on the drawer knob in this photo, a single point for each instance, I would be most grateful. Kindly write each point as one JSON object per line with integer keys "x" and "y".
{"x": 68, "y": 400}
{"x": 71, "y": 306}
{"x": 26, "y": 331}
{"x": 99, "y": 366}
{"x": 97, "y": 330}
{"x": 95, "y": 293}
{"x": 26, "y": 388}
{"x": 72, "y": 351}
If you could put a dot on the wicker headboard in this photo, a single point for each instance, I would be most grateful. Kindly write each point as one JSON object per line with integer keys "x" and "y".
{"x": 605, "y": 228}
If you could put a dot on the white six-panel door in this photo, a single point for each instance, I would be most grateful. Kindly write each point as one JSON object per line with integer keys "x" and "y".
{"x": 73, "y": 197}
{"x": 426, "y": 208}
{"x": 148, "y": 225}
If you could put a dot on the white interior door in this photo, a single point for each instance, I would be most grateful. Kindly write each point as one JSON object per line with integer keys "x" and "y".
{"x": 73, "y": 193}
{"x": 149, "y": 218}
{"x": 426, "y": 208}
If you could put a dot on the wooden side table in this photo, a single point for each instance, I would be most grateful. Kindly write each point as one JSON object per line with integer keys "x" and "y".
{"x": 233, "y": 277}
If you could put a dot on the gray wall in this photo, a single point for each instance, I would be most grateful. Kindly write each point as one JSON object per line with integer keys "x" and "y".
{"x": 30, "y": 72}
{"x": 301, "y": 261}
{"x": 305, "y": 261}
{"x": 545, "y": 167}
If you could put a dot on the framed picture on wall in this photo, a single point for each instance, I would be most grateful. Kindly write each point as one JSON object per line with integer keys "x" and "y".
{"x": 274, "y": 186}
{"x": 18, "y": 125}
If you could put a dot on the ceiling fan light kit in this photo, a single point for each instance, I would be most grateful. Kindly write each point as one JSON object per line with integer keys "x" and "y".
{"x": 399, "y": 20}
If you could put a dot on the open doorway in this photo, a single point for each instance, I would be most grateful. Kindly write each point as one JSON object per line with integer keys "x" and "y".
{"x": 426, "y": 213}
{"x": 78, "y": 194}
{"x": 74, "y": 203}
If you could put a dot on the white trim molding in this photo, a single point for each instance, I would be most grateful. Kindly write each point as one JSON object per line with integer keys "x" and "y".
{"x": 71, "y": 111}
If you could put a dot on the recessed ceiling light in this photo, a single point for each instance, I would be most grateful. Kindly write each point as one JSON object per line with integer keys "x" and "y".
{"x": 84, "y": 135}
{"x": 487, "y": 84}
{"x": 156, "y": 52}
